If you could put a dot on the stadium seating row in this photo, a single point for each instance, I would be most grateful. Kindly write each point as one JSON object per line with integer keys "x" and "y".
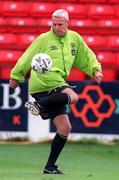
{"x": 92, "y": 18}
{"x": 82, "y": 26}
{"x": 74, "y": 1}
{"x": 21, "y": 41}
{"x": 42, "y": 9}
{"x": 108, "y": 59}
{"x": 99, "y": 27}
{"x": 98, "y": 1}
{"x": 110, "y": 43}
{"x": 75, "y": 75}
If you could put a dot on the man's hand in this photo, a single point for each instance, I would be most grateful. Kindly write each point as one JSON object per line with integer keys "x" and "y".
{"x": 13, "y": 83}
{"x": 98, "y": 76}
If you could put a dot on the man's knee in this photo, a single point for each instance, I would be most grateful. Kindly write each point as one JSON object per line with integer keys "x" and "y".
{"x": 65, "y": 129}
{"x": 62, "y": 124}
{"x": 73, "y": 96}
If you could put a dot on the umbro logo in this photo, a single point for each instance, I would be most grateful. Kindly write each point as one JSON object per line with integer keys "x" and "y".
{"x": 53, "y": 47}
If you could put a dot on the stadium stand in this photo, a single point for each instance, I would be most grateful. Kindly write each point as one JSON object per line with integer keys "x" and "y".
{"x": 74, "y": 10}
{"x": 96, "y": 42}
{"x": 113, "y": 1}
{"x": 92, "y": 1}
{"x": 41, "y": 9}
{"x": 116, "y": 9}
{"x": 3, "y": 23}
{"x": 8, "y": 58}
{"x": 21, "y": 21}
{"x": 76, "y": 75}
{"x": 25, "y": 39}
{"x": 5, "y": 72}
{"x": 113, "y": 42}
{"x": 99, "y": 11}
{"x": 83, "y": 26}
{"x": 109, "y": 74}
{"x": 108, "y": 27}
{"x": 107, "y": 59}
{"x": 9, "y": 8}
{"x": 21, "y": 25}
{"x": 117, "y": 60}
{"x": 43, "y": 24}
{"x": 8, "y": 40}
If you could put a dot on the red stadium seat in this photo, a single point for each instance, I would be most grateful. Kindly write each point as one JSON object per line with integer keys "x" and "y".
{"x": 76, "y": 75}
{"x": 41, "y": 9}
{"x": 8, "y": 40}
{"x": 109, "y": 74}
{"x": 113, "y": 1}
{"x": 107, "y": 59}
{"x": 10, "y": 8}
{"x": 9, "y": 57}
{"x": 83, "y": 26}
{"x": 92, "y": 1}
{"x": 43, "y": 24}
{"x": 64, "y": 1}
{"x": 113, "y": 43}
{"x": 99, "y": 11}
{"x": 7, "y": 61}
{"x": 24, "y": 40}
{"x": 96, "y": 42}
{"x": 117, "y": 60}
{"x": 5, "y": 72}
{"x": 116, "y": 10}
{"x": 74, "y": 10}
{"x": 110, "y": 26}
{"x": 19, "y": 25}
{"x": 3, "y": 24}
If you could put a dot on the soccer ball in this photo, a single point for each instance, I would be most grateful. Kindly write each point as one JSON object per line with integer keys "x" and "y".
{"x": 41, "y": 63}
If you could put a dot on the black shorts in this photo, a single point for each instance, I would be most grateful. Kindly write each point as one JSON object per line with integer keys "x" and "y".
{"x": 54, "y": 110}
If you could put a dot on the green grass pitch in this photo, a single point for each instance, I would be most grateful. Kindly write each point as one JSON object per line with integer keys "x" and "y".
{"x": 78, "y": 161}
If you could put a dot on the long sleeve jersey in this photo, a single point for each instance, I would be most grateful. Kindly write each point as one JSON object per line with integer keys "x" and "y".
{"x": 66, "y": 52}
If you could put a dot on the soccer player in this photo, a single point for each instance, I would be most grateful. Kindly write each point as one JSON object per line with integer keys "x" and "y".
{"x": 51, "y": 91}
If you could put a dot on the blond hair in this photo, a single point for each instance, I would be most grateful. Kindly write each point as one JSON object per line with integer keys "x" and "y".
{"x": 61, "y": 13}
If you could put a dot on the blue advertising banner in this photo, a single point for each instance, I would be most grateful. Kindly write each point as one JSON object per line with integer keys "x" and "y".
{"x": 13, "y": 115}
{"x": 97, "y": 110}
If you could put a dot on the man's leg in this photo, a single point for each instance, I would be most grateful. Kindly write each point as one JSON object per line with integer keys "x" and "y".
{"x": 54, "y": 99}
{"x": 63, "y": 127}
{"x": 67, "y": 96}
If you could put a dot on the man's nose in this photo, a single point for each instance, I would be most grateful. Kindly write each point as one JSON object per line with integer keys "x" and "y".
{"x": 57, "y": 27}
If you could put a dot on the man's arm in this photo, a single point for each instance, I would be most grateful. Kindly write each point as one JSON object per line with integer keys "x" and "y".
{"x": 23, "y": 65}
{"x": 98, "y": 76}
{"x": 13, "y": 83}
{"x": 86, "y": 61}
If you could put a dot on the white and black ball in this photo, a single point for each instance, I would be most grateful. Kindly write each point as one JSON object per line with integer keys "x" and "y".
{"x": 41, "y": 63}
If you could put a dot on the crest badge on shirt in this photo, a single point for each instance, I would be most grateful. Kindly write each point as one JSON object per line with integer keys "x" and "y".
{"x": 73, "y": 48}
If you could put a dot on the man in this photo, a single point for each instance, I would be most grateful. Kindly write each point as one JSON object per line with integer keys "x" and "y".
{"x": 50, "y": 90}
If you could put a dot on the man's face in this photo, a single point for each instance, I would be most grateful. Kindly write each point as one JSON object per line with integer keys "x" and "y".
{"x": 60, "y": 26}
